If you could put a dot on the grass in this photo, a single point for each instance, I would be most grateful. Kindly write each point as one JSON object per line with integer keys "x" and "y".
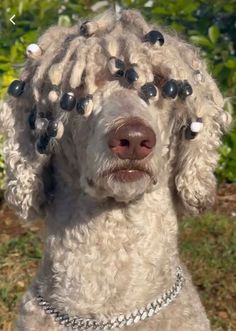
{"x": 208, "y": 247}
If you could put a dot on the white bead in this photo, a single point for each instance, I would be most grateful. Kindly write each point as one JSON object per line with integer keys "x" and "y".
{"x": 196, "y": 126}
{"x": 33, "y": 51}
{"x": 53, "y": 96}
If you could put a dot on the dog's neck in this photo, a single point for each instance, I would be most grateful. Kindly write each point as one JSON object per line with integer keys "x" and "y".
{"x": 105, "y": 257}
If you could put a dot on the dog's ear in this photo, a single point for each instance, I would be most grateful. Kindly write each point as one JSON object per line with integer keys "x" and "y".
{"x": 24, "y": 189}
{"x": 197, "y": 154}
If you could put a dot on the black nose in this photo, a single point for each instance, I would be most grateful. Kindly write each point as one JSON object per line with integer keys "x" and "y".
{"x": 133, "y": 140}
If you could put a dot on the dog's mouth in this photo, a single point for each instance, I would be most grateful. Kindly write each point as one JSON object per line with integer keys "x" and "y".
{"x": 127, "y": 175}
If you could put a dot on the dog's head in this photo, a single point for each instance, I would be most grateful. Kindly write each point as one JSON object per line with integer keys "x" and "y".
{"x": 117, "y": 108}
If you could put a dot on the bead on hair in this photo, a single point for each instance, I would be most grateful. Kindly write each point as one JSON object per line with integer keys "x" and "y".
{"x": 85, "y": 105}
{"x": 33, "y": 51}
{"x": 116, "y": 67}
{"x": 42, "y": 144}
{"x": 184, "y": 89}
{"x": 148, "y": 91}
{"x": 196, "y": 126}
{"x": 54, "y": 94}
{"x": 131, "y": 75}
{"x": 193, "y": 129}
{"x": 68, "y": 101}
{"x": 170, "y": 89}
{"x": 16, "y": 88}
{"x": 153, "y": 37}
{"x": 55, "y": 129}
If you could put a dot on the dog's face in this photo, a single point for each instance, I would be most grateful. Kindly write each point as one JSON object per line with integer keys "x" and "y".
{"x": 120, "y": 146}
{"x": 120, "y": 109}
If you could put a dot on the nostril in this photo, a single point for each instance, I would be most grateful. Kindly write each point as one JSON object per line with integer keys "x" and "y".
{"x": 147, "y": 143}
{"x": 124, "y": 142}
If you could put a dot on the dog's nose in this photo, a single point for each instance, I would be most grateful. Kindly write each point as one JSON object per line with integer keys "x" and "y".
{"x": 133, "y": 140}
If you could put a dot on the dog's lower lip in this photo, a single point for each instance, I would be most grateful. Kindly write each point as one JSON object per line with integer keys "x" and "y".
{"x": 128, "y": 175}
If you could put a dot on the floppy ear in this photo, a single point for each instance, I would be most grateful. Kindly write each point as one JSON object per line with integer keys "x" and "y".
{"x": 24, "y": 189}
{"x": 197, "y": 156}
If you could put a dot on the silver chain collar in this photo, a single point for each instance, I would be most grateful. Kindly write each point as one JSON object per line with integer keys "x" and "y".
{"x": 120, "y": 321}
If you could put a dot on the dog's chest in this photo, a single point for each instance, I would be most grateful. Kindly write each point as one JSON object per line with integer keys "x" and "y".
{"x": 113, "y": 264}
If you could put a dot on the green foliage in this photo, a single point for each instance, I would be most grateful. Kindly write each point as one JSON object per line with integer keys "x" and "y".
{"x": 212, "y": 26}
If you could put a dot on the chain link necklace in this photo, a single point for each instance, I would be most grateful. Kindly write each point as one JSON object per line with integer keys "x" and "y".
{"x": 119, "y": 321}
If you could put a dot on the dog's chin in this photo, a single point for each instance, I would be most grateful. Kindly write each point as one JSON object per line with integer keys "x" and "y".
{"x": 122, "y": 186}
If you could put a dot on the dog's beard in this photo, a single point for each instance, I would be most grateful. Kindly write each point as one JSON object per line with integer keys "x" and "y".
{"x": 104, "y": 187}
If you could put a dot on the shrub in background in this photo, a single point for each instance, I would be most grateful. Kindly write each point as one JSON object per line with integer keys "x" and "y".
{"x": 209, "y": 25}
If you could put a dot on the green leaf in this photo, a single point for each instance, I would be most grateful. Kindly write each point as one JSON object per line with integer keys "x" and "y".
{"x": 231, "y": 63}
{"x": 201, "y": 41}
{"x": 64, "y": 20}
{"x": 213, "y": 33}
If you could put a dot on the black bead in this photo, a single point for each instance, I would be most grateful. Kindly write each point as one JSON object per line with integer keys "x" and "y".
{"x": 184, "y": 89}
{"x": 119, "y": 73}
{"x": 131, "y": 75}
{"x": 120, "y": 66}
{"x": 153, "y": 36}
{"x": 31, "y": 119}
{"x": 52, "y": 129}
{"x": 68, "y": 101}
{"x": 149, "y": 90}
{"x": 16, "y": 88}
{"x": 42, "y": 144}
{"x": 189, "y": 135}
{"x": 170, "y": 89}
{"x": 82, "y": 104}
{"x": 84, "y": 29}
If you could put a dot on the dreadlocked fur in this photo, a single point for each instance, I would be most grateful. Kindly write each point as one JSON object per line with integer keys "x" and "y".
{"x": 74, "y": 62}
